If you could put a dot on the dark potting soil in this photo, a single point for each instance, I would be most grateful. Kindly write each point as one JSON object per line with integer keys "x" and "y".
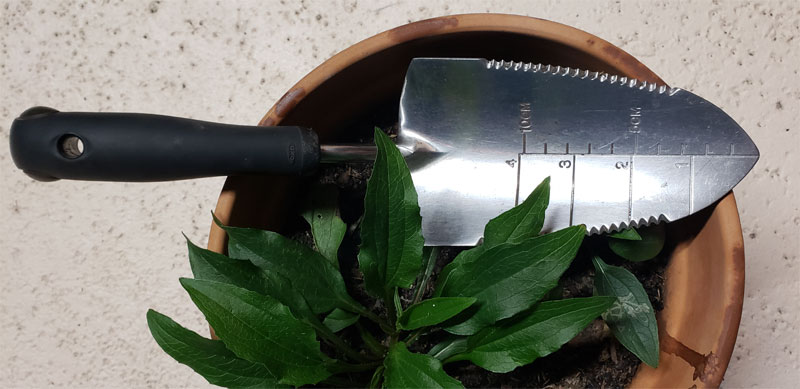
{"x": 592, "y": 359}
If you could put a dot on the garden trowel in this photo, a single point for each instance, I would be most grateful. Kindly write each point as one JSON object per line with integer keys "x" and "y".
{"x": 478, "y": 136}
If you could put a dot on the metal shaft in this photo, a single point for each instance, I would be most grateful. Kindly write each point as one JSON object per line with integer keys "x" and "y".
{"x": 347, "y": 153}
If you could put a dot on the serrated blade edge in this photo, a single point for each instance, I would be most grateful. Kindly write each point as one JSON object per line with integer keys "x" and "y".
{"x": 613, "y": 227}
{"x": 566, "y": 71}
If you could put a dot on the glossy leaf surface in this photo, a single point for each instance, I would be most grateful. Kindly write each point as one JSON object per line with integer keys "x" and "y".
{"x": 537, "y": 333}
{"x": 209, "y": 358}
{"x": 631, "y": 318}
{"x": 627, "y": 234}
{"x": 338, "y": 320}
{"x": 452, "y": 345}
{"x": 432, "y": 311}
{"x": 311, "y": 274}
{"x": 523, "y": 221}
{"x": 404, "y": 369}
{"x": 260, "y": 329}
{"x": 651, "y": 243}
{"x": 391, "y": 239}
{"x": 212, "y": 266}
{"x": 327, "y": 228}
{"x": 510, "y": 278}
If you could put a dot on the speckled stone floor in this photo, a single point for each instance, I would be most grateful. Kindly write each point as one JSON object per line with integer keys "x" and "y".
{"x": 80, "y": 263}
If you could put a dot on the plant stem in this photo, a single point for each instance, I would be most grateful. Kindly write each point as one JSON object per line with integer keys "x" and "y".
{"x": 341, "y": 345}
{"x": 453, "y": 345}
{"x": 391, "y": 312}
{"x": 413, "y": 337}
{"x": 454, "y": 358}
{"x": 377, "y": 377}
{"x": 341, "y": 382}
{"x": 429, "y": 254}
{"x": 385, "y": 326}
{"x": 328, "y": 335}
{"x": 372, "y": 344}
{"x": 398, "y": 305}
{"x": 344, "y": 367}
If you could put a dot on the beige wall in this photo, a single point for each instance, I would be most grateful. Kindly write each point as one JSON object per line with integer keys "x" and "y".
{"x": 80, "y": 263}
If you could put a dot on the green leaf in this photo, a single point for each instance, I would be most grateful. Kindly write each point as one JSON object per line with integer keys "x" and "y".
{"x": 281, "y": 289}
{"x": 327, "y": 228}
{"x": 447, "y": 348}
{"x": 554, "y": 294}
{"x": 209, "y": 358}
{"x": 338, "y": 320}
{"x": 260, "y": 329}
{"x": 460, "y": 260}
{"x": 521, "y": 222}
{"x": 627, "y": 234}
{"x": 651, "y": 243}
{"x": 391, "y": 239}
{"x": 211, "y": 266}
{"x": 631, "y": 318}
{"x": 312, "y": 275}
{"x": 534, "y": 334}
{"x": 432, "y": 311}
{"x": 510, "y": 278}
{"x": 405, "y": 369}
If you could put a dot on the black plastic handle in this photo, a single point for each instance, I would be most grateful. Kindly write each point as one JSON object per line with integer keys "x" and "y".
{"x": 50, "y": 145}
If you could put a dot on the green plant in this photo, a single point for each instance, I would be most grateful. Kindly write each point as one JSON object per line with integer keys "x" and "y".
{"x": 278, "y": 306}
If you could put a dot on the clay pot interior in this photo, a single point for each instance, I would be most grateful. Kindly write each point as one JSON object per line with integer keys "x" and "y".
{"x": 369, "y": 90}
{"x": 344, "y": 98}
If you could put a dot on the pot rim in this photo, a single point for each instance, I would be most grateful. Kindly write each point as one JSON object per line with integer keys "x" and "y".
{"x": 622, "y": 62}
{"x": 617, "y": 58}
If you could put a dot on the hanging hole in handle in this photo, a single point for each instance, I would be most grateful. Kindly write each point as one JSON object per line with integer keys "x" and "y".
{"x": 70, "y": 146}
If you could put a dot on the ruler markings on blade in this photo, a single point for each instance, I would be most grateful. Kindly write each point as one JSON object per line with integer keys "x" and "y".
{"x": 630, "y": 189}
{"x": 572, "y": 195}
{"x": 647, "y": 152}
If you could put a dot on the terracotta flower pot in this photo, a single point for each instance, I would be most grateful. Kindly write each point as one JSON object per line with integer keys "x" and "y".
{"x": 342, "y": 98}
